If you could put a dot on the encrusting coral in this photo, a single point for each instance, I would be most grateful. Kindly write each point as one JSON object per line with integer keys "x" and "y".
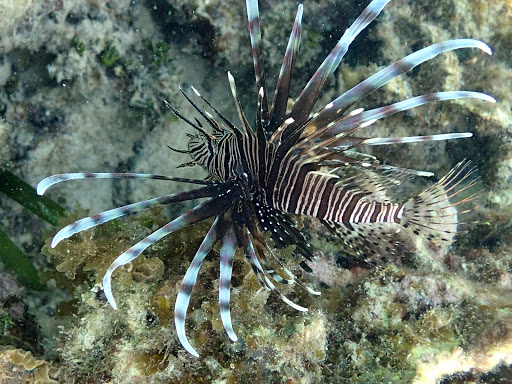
{"x": 19, "y": 366}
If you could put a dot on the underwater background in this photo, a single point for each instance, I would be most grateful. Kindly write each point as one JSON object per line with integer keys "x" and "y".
{"x": 82, "y": 88}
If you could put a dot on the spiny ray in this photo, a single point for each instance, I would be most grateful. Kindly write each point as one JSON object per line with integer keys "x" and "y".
{"x": 229, "y": 126}
{"x": 309, "y": 95}
{"x": 246, "y": 242}
{"x": 416, "y": 139}
{"x": 241, "y": 115}
{"x": 253, "y": 16}
{"x": 227, "y": 253}
{"x": 203, "y": 211}
{"x": 103, "y": 217}
{"x": 204, "y": 114}
{"x": 195, "y": 126}
{"x": 52, "y": 180}
{"x": 336, "y": 108}
{"x": 183, "y": 299}
{"x": 278, "y": 112}
{"x": 347, "y": 126}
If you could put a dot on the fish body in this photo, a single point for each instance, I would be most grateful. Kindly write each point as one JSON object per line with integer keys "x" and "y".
{"x": 296, "y": 163}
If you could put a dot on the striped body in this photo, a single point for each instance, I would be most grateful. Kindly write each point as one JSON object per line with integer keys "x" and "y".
{"x": 299, "y": 189}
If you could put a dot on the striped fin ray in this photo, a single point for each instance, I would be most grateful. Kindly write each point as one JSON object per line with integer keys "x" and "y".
{"x": 52, "y": 180}
{"x": 203, "y": 211}
{"x": 263, "y": 249}
{"x": 309, "y": 95}
{"x": 269, "y": 269}
{"x": 395, "y": 174}
{"x": 241, "y": 115}
{"x": 425, "y": 215}
{"x": 278, "y": 111}
{"x": 253, "y": 16}
{"x": 337, "y": 130}
{"x": 244, "y": 239}
{"x": 103, "y": 217}
{"x": 337, "y": 107}
{"x": 374, "y": 244}
{"x": 283, "y": 230}
{"x": 204, "y": 114}
{"x": 227, "y": 253}
{"x": 230, "y": 127}
{"x": 292, "y": 279}
{"x": 252, "y": 255}
{"x": 188, "y": 282}
{"x": 197, "y": 126}
{"x": 407, "y": 139}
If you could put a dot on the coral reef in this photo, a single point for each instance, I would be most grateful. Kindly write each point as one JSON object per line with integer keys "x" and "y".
{"x": 82, "y": 89}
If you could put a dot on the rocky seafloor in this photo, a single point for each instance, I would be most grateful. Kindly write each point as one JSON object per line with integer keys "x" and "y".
{"x": 83, "y": 85}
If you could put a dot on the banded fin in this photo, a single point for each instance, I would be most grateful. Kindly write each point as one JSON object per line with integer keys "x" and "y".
{"x": 210, "y": 208}
{"x": 339, "y": 130}
{"x": 230, "y": 127}
{"x": 197, "y": 126}
{"x": 103, "y": 217}
{"x": 335, "y": 109}
{"x": 54, "y": 179}
{"x": 283, "y": 230}
{"x": 351, "y": 142}
{"x": 263, "y": 249}
{"x": 253, "y": 16}
{"x": 373, "y": 243}
{"x": 244, "y": 239}
{"x": 241, "y": 115}
{"x": 227, "y": 253}
{"x": 433, "y": 214}
{"x": 187, "y": 284}
{"x": 209, "y": 118}
{"x": 278, "y": 112}
{"x": 309, "y": 95}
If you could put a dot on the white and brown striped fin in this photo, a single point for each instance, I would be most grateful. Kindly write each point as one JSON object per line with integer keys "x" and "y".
{"x": 208, "y": 117}
{"x": 351, "y": 142}
{"x": 433, "y": 214}
{"x": 263, "y": 249}
{"x": 278, "y": 111}
{"x": 229, "y": 127}
{"x": 371, "y": 243}
{"x": 335, "y": 109}
{"x": 241, "y": 115}
{"x": 336, "y": 131}
{"x": 244, "y": 239}
{"x": 54, "y": 179}
{"x": 227, "y": 253}
{"x": 309, "y": 95}
{"x": 188, "y": 282}
{"x": 197, "y": 126}
{"x": 366, "y": 118}
{"x": 253, "y": 16}
{"x": 283, "y": 230}
{"x": 210, "y": 208}
{"x": 103, "y": 217}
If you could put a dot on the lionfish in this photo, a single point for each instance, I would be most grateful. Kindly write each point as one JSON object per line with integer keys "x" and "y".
{"x": 296, "y": 162}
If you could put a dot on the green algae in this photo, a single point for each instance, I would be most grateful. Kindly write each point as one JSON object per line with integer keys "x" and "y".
{"x": 14, "y": 259}
{"x": 10, "y": 255}
{"x": 110, "y": 55}
{"x": 23, "y": 193}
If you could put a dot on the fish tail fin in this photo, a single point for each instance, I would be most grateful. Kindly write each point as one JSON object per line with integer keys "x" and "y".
{"x": 434, "y": 213}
